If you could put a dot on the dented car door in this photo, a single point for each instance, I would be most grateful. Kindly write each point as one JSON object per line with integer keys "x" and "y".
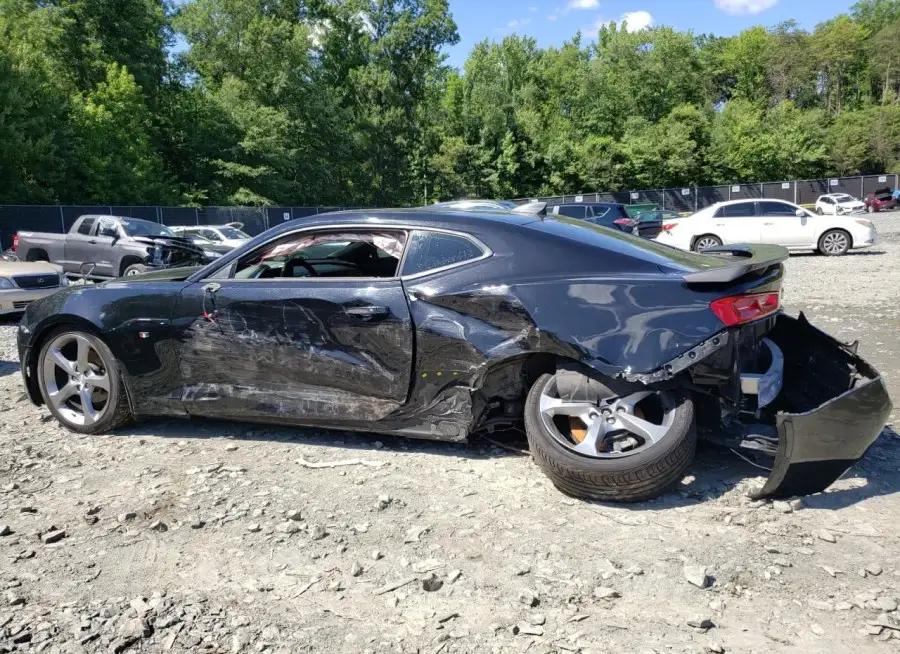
{"x": 318, "y": 352}
{"x": 327, "y": 351}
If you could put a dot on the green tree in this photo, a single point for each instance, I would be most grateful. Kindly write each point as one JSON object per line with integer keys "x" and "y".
{"x": 113, "y": 160}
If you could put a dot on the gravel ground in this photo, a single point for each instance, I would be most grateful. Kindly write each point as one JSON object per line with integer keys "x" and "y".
{"x": 177, "y": 536}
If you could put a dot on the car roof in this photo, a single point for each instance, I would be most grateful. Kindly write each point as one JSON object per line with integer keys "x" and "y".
{"x": 419, "y": 217}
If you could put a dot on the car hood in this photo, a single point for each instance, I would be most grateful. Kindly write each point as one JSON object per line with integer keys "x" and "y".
{"x": 176, "y": 274}
{"x": 12, "y": 268}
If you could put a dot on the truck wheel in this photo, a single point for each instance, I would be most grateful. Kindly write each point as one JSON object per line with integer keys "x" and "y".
{"x": 80, "y": 382}
{"x": 625, "y": 449}
{"x": 135, "y": 269}
{"x": 834, "y": 243}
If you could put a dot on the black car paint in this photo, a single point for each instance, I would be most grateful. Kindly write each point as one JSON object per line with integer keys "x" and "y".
{"x": 193, "y": 342}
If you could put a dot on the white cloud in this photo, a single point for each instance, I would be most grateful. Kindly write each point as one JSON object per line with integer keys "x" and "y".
{"x": 584, "y": 4}
{"x": 552, "y": 17}
{"x": 637, "y": 20}
{"x": 737, "y": 7}
{"x": 532, "y": 9}
{"x": 519, "y": 22}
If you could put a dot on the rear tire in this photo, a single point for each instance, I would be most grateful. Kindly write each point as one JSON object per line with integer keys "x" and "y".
{"x": 637, "y": 477}
{"x": 705, "y": 242}
{"x": 819, "y": 211}
{"x": 135, "y": 269}
{"x": 834, "y": 243}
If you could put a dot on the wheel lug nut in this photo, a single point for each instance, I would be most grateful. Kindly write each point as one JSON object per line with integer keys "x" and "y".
{"x": 621, "y": 409}
{"x": 606, "y": 412}
{"x": 611, "y": 421}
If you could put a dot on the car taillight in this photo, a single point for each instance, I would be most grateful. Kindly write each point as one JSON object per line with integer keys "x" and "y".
{"x": 624, "y": 221}
{"x": 15, "y": 245}
{"x": 667, "y": 227}
{"x": 740, "y": 309}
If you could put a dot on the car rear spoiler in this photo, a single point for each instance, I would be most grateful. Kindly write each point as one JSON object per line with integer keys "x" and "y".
{"x": 531, "y": 209}
{"x": 746, "y": 259}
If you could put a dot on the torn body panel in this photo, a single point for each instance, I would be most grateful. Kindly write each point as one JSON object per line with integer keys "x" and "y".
{"x": 832, "y": 407}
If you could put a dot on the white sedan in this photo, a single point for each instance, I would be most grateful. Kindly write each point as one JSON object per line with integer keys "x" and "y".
{"x": 837, "y": 204}
{"x": 768, "y": 221}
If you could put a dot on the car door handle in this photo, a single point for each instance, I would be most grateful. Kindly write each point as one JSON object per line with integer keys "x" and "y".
{"x": 93, "y": 241}
{"x": 368, "y": 311}
{"x": 768, "y": 223}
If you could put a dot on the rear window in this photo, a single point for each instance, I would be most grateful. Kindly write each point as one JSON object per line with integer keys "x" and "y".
{"x": 573, "y": 211}
{"x": 433, "y": 250}
{"x": 742, "y": 210}
{"x": 85, "y": 226}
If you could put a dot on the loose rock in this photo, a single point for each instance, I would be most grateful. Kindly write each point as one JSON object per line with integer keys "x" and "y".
{"x": 528, "y": 598}
{"x": 53, "y": 536}
{"x": 696, "y": 575}
{"x": 5, "y": 530}
{"x": 604, "y": 592}
{"x": 432, "y": 583}
{"x": 825, "y": 535}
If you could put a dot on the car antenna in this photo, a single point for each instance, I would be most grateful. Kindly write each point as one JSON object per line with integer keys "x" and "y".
{"x": 532, "y": 209}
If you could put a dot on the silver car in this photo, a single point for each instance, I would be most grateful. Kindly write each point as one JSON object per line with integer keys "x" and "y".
{"x": 22, "y": 282}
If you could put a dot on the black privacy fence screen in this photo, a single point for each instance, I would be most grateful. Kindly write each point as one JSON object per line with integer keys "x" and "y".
{"x": 694, "y": 198}
{"x": 255, "y": 220}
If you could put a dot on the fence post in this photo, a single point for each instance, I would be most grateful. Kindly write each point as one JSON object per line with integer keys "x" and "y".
{"x": 62, "y": 220}
{"x": 196, "y": 216}
{"x": 795, "y": 191}
{"x": 862, "y": 187}
{"x": 664, "y": 199}
{"x": 696, "y": 199}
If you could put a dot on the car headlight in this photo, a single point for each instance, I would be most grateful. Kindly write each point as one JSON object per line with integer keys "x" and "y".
{"x": 6, "y": 283}
{"x": 209, "y": 254}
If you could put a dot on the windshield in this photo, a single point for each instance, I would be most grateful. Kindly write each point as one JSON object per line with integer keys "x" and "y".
{"x": 145, "y": 228}
{"x": 232, "y": 233}
{"x": 844, "y": 198}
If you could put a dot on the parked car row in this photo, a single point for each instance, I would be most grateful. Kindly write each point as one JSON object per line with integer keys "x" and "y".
{"x": 836, "y": 227}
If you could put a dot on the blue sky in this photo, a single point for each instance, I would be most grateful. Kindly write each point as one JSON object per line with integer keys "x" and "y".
{"x": 553, "y": 21}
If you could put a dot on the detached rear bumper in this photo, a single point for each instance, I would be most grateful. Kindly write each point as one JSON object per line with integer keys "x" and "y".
{"x": 832, "y": 406}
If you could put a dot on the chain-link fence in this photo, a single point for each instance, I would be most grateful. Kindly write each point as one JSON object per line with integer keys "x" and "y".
{"x": 694, "y": 198}
{"x": 59, "y": 218}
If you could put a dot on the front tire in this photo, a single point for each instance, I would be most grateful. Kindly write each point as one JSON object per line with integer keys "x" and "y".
{"x": 834, "y": 243}
{"x": 819, "y": 211}
{"x": 623, "y": 466}
{"x": 135, "y": 269}
{"x": 80, "y": 382}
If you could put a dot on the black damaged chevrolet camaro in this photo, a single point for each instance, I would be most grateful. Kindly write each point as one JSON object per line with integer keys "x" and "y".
{"x": 616, "y": 353}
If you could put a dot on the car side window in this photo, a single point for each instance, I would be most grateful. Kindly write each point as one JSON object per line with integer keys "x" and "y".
{"x": 573, "y": 211}
{"x": 827, "y": 200}
{"x": 776, "y": 209}
{"x": 742, "y": 210}
{"x": 600, "y": 212}
{"x": 433, "y": 250}
{"x": 325, "y": 254}
{"x": 85, "y": 226}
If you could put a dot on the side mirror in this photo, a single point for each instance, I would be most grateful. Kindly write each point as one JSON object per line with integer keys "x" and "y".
{"x": 800, "y": 213}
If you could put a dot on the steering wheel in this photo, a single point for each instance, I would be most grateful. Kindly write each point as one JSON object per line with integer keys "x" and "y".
{"x": 302, "y": 262}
